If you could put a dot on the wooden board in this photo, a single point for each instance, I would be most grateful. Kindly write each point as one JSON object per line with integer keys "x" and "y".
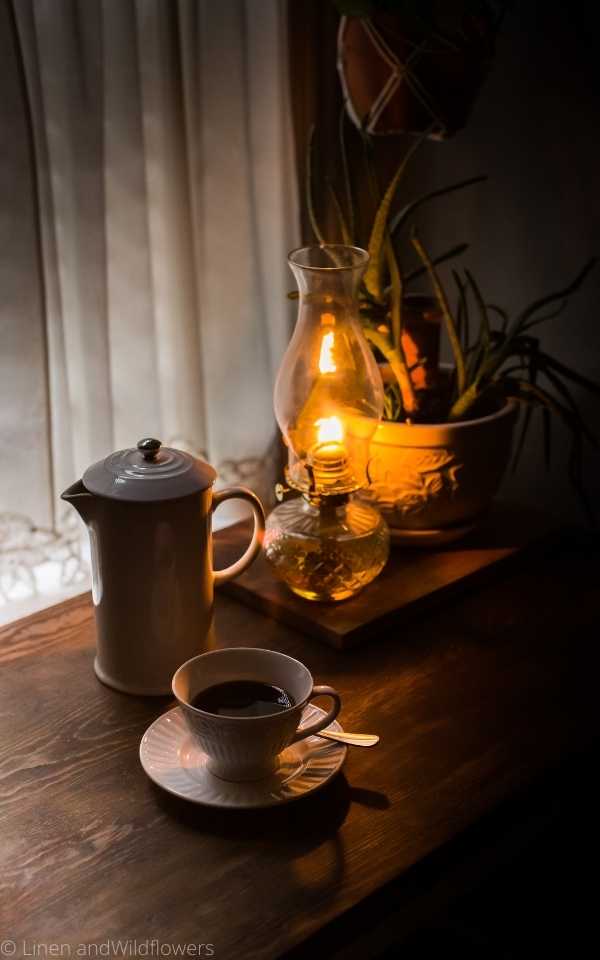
{"x": 413, "y": 580}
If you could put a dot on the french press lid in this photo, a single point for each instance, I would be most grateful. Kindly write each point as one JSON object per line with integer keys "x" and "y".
{"x": 148, "y": 472}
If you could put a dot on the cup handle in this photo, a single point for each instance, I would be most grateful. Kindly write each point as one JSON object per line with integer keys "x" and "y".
{"x": 323, "y": 722}
{"x": 241, "y": 493}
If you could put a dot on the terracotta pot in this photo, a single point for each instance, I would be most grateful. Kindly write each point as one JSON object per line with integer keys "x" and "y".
{"x": 439, "y": 87}
{"x": 421, "y": 317}
{"x": 427, "y": 478}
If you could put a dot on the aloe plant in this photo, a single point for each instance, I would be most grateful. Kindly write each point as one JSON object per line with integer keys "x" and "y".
{"x": 496, "y": 356}
{"x": 508, "y": 361}
{"x": 386, "y": 280}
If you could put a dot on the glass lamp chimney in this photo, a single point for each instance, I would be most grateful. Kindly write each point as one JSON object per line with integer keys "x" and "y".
{"x": 327, "y": 544}
{"x": 328, "y": 394}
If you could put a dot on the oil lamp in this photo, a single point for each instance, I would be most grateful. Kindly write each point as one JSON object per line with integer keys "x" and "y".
{"x": 327, "y": 544}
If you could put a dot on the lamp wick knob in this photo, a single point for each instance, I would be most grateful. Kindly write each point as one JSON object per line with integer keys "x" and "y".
{"x": 281, "y": 492}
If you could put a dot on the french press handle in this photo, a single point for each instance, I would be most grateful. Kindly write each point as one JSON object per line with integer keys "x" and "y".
{"x": 253, "y": 549}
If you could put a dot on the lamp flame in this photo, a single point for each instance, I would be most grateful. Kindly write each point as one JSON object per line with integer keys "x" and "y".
{"x": 330, "y": 430}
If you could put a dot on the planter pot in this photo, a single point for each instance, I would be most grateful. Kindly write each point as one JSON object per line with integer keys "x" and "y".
{"x": 432, "y": 481}
{"x": 439, "y": 87}
{"x": 422, "y": 319}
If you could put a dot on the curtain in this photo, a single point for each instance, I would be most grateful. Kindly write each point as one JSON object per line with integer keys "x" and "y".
{"x": 147, "y": 192}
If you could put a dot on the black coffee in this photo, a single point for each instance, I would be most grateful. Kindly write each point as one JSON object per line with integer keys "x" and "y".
{"x": 243, "y": 698}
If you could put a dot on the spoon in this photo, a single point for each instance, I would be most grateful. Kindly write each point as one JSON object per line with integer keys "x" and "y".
{"x": 352, "y": 739}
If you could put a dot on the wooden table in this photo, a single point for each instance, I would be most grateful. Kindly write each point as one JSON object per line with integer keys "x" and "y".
{"x": 473, "y": 704}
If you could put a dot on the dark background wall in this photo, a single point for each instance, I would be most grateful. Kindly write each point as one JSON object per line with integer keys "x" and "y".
{"x": 535, "y": 131}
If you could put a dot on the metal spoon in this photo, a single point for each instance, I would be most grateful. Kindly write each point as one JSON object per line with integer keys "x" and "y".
{"x": 352, "y": 739}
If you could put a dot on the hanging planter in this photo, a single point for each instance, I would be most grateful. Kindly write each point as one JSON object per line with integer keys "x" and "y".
{"x": 401, "y": 73}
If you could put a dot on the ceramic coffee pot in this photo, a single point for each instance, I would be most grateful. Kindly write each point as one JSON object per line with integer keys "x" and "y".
{"x": 148, "y": 513}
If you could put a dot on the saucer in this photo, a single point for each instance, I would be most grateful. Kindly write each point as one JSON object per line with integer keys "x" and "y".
{"x": 430, "y": 538}
{"x": 173, "y": 760}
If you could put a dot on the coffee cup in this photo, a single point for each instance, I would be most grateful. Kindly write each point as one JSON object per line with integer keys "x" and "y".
{"x": 247, "y": 747}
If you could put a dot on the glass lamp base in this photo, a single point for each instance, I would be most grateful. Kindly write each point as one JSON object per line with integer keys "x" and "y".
{"x": 328, "y": 551}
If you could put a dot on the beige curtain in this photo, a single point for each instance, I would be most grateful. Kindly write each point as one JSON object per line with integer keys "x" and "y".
{"x": 147, "y": 204}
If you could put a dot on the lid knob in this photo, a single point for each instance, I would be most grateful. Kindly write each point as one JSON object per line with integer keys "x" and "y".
{"x": 149, "y": 448}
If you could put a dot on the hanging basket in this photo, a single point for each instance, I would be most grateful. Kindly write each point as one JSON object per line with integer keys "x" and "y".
{"x": 397, "y": 83}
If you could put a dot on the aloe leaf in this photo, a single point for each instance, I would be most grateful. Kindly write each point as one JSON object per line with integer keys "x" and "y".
{"x": 532, "y": 370}
{"x": 464, "y": 306}
{"x": 538, "y": 396}
{"x": 373, "y": 274}
{"x": 460, "y": 322}
{"x": 388, "y": 406}
{"x": 543, "y": 397}
{"x": 570, "y": 374}
{"x": 517, "y": 368}
{"x": 483, "y": 314}
{"x": 370, "y": 167}
{"x": 474, "y": 368}
{"x": 309, "y": 187}
{"x": 459, "y": 359}
{"x": 546, "y": 316}
{"x": 456, "y": 251}
{"x": 464, "y": 402}
{"x": 406, "y": 211}
{"x": 392, "y": 402}
{"x": 522, "y": 435}
{"x": 521, "y": 344}
{"x": 530, "y": 406}
{"x": 526, "y": 314}
{"x": 501, "y": 313}
{"x": 567, "y": 396}
{"x": 515, "y": 329}
{"x": 396, "y": 292}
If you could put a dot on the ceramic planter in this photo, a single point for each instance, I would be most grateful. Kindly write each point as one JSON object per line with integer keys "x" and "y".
{"x": 432, "y": 481}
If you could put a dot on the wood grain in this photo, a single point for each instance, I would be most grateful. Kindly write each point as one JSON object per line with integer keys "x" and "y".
{"x": 472, "y": 704}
